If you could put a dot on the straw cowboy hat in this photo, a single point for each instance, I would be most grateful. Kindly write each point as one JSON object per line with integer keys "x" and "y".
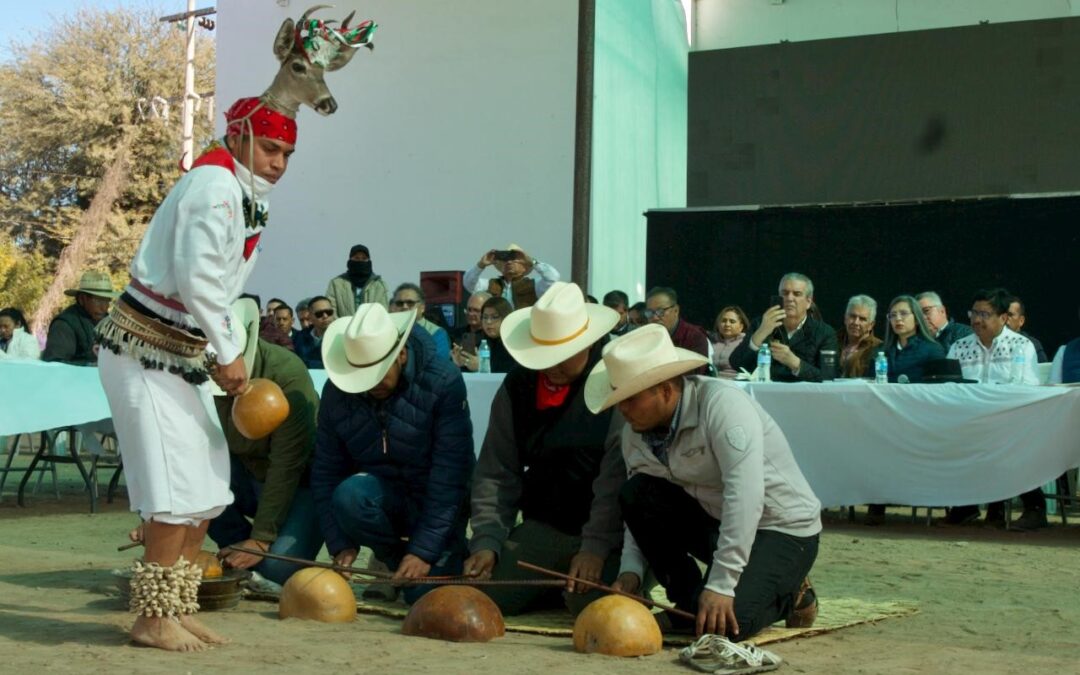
{"x": 558, "y": 326}
{"x": 634, "y": 362}
{"x": 358, "y": 350}
{"x": 94, "y": 283}
{"x": 245, "y": 323}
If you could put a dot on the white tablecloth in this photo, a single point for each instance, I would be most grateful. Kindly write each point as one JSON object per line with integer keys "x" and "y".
{"x": 857, "y": 443}
{"x": 35, "y": 396}
{"x": 925, "y": 444}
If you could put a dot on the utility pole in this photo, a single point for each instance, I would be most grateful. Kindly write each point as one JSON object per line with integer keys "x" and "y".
{"x": 187, "y": 148}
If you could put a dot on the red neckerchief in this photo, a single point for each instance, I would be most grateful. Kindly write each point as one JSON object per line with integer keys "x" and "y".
{"x": 219, "y": 155}
{"x": 550, "y": 395}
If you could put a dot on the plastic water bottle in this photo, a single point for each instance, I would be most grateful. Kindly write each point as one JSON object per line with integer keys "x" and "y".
{"x": 764, "y": 363}
{"x": 484, "y": 354}
{"x": 881, "y": 368}
{"x": 1016, "y": 371}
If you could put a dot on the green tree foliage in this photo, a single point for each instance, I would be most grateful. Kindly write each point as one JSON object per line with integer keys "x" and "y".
{"x": 23, "y": 276}
{"x": 66, "y": 98}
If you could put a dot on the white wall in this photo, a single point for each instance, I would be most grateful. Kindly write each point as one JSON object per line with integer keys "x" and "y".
{"x": 721, "y": 24}
{"x": 455, "y": 135}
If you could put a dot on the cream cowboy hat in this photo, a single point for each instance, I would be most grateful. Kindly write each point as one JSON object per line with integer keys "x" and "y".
{"x": 558, "y": 326}
{"x": 358, "y": 350}
{"x": 245, "y": 323}
{"x": 634, "y": 362}
{"x": 94, "y": 283}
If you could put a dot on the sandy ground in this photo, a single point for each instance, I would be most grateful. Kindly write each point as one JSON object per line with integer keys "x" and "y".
{"x": 990, "y": 601}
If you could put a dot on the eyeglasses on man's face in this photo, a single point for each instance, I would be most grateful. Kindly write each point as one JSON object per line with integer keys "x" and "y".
{"x": 898, "y": 314}
{"x": 929, "y": 309}
{"x": 979, "y": 314}
{"x": 322, "y": 313}
{"x": 405, "y": 303}
{"x": 657, "y": 313}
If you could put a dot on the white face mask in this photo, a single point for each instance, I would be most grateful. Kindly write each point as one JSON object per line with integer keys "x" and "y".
{"x": 253, "y": 186}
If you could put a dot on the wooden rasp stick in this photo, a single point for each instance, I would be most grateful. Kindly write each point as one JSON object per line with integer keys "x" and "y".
{"x": 646, "y": 601}
{"x": 388, "y": 577}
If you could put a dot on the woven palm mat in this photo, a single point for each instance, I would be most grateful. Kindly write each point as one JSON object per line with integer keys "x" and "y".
{"x": 833, "y": 614}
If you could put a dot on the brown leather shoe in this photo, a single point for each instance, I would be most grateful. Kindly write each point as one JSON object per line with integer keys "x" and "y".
{"x": 806, "y": 607}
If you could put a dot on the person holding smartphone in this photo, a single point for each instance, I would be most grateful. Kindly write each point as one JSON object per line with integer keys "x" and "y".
{"x": 521, "y": 278}
{"x": 795, "y": 338}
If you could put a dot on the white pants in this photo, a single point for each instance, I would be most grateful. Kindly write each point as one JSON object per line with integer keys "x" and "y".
{"x": 176, "y": 460}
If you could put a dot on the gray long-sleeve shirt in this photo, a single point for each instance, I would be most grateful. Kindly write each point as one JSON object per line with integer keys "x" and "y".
{"x": 731, "y": 457}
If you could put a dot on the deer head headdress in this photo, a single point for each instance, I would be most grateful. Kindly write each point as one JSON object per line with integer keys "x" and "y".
{"x": 308, "y": 49}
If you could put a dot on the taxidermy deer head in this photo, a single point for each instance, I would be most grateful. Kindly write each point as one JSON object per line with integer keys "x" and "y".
{"x": 307, "y": 50}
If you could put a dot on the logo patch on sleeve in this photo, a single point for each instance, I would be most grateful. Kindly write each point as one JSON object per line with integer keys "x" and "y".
{"x": 737, "y": 438}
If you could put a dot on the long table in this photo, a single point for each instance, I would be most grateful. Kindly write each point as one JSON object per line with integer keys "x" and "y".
{"x": 856, "y": 442}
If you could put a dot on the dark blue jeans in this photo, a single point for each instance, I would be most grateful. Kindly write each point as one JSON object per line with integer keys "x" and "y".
{"x": 377, "y": 514}
{"x": 299, "y": 536}
{"x": 672, "y": 529}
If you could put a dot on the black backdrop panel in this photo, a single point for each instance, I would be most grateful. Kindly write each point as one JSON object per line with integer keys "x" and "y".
{"x": 954, "y": 112}
{"x": 1029, "y": 246}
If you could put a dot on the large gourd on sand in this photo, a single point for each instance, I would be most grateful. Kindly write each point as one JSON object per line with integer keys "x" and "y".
{"x": 617, "y": 626}
{"x": 317, "y": 594}
{"x": 456, "y": 614}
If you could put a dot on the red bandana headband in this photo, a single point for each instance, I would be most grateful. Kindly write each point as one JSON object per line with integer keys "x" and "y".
{"x": 264, "y": 121}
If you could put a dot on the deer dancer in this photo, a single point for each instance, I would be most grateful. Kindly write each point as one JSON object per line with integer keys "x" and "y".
{"x": 171, "y": 330}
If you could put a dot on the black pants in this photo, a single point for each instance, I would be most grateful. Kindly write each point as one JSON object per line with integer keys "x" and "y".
{"x": 670, "y": 526}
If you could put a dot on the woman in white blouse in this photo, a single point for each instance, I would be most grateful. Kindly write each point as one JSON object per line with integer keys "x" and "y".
{"x": 16, "y": 340}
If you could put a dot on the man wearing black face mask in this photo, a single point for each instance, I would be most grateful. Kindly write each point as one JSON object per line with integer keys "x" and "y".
{"x": 357, "y": 285}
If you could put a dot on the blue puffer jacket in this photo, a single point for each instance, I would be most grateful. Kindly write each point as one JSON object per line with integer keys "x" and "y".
{"x": 429, "y": 447}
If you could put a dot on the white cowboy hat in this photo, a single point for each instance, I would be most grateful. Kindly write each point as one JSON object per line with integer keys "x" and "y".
{"x": 558, "y": 326}
{"x": 357, "y": 350}
{"x": 245, "y": 323}
{"x": 634, "y": 362}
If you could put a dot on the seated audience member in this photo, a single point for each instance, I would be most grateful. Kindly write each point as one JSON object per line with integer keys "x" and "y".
{"x": 521, "y": 278}
{"x": 711, "y": 479}
{"x": 1065, "y": 368}
{"x": 636, "y": 315}
{"x": 283, "y": 318}
{"x": 796, "y": 340}
{"x": 1017, "y": 319}
{"x": 16, "y": 340}
{"x": 492, "y": 313}
{"x": 272, "y": 333}
{"x": 272, "y": 304}
{"x": 858, "y": 344}
{"x": 71, "y": 336}
{"x": 662, "y": 307}
{"x": 357, "y": 285}
{"x": 303, "y": 315}
{"x": 468, "y": 335}
{"x": 409, "y": 298}
{"x": 548, "y": 458}
{"x": 908, "y": 341}
{"x": 393, "y": 449}
{"x": 618, "y": 301}
{"x": 987, "y": 357}
{"x": 731, "y": 325}
{"x": 945, "y": 330}
{"x": 308, "y": 344}
{"x": 273, "y": 509}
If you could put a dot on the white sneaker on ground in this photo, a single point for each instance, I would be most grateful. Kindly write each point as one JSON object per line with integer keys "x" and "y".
{"x": 719, "y": 655}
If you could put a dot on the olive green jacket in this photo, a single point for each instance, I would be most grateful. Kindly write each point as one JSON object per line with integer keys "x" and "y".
{"x": 280, "y": 460}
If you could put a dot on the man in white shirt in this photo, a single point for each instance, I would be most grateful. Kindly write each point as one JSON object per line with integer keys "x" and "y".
{"x": 522, "y": 279}
{"x": 711, "y": 477}
{"x": 995, "y": 354}
{"x": 197, "y": 252}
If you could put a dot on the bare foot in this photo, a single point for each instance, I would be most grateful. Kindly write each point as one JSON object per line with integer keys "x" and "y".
{"x": 165, "y": 633}
{"x": 196, "y": 628}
